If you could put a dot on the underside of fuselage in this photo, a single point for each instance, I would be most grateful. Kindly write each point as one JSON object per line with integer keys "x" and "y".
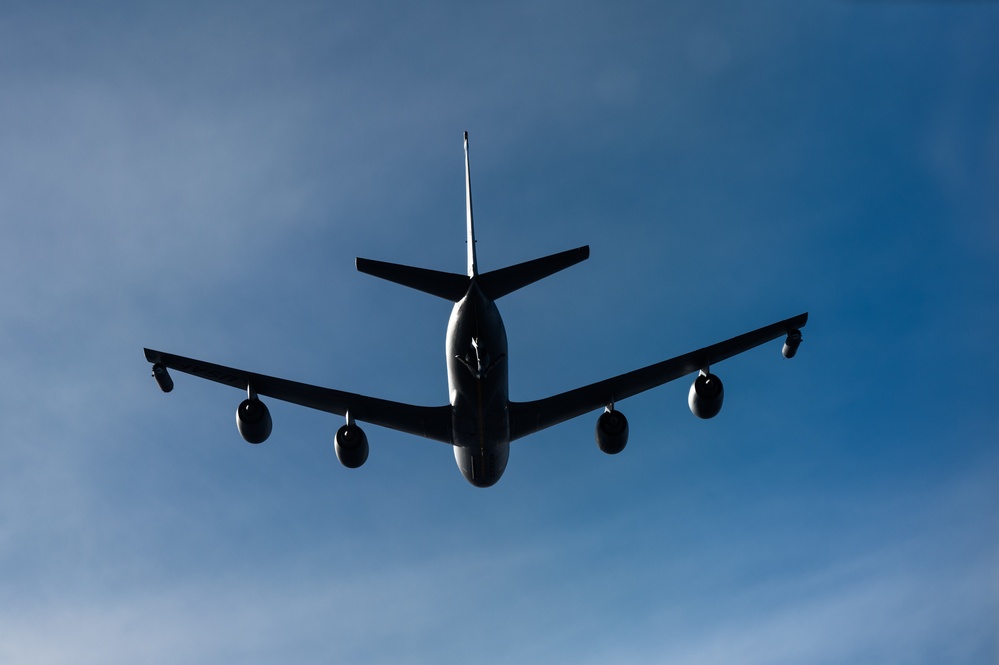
{"x": 478, "y": 383}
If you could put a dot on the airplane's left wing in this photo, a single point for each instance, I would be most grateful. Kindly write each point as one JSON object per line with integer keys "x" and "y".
{"x": 529, "y": 417}
{"x": 426, "y": 421}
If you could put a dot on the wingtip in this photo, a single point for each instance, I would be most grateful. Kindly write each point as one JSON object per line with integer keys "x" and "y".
{"x": 797, "y": 321}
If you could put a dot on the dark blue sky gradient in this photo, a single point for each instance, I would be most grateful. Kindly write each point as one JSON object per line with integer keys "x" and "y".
{"x": 200, "y": 178}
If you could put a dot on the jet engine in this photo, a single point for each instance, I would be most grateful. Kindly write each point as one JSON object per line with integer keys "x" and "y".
{"x": 791, "y": 344}
{"x": 253, "y": 420}
{"x": 351, "y": 445}
{"x": 706, "y": 395}
{"x": 612, "y": 432}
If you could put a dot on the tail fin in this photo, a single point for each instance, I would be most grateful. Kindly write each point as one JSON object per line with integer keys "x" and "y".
{"x": 473, "y": 269}
{"x": 494, "y": 285}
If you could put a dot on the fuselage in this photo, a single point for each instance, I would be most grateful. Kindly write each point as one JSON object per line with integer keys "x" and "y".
{"x": 478, "y": 382}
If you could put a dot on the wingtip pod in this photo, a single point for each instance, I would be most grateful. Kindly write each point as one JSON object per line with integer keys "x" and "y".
{"x": 162, "y": 377}
{"x": 792, "y": 343}
{"x": 793, "y": 328}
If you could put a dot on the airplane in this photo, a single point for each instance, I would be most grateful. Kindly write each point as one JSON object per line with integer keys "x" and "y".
{"x": 480, "y": 421}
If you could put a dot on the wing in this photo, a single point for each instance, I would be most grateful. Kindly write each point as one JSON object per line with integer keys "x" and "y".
{"x": 529, "y": 417}
{"x": 426, "y": 421}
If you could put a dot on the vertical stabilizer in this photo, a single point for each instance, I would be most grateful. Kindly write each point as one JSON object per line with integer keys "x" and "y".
{"x": 494, "y": 284}
{"x": 473, "y": 269}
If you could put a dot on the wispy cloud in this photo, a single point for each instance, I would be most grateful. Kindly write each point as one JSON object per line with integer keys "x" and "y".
{"x": 201, "y": 178}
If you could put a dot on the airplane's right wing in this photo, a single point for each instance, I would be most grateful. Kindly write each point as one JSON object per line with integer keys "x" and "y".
{"x": 431, "y": 422}
{"x": 529, "y": 417}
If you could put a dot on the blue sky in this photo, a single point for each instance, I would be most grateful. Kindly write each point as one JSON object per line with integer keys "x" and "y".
{"x": 200, "y": 178}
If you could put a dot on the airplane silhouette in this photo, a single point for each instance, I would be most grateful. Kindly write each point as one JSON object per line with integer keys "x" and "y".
{"x": 480, "y": 421}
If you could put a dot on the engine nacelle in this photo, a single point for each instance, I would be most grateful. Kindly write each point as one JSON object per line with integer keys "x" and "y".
{"x": 706, "y": 395}
{"x": 162, "y": 377}
{"x": 792, "y": 343}
{"x": 253, "y": 420}
{"x": 351, "y": 445}
{"x": 612, "y": 432}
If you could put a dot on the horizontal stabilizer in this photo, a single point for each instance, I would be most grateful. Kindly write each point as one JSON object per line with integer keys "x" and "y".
{"x": 450, "y": 286}
{"x": 499, "y": 283}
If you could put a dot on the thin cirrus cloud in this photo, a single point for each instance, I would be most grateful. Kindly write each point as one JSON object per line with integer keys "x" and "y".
{"x": 200, "y": 179}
